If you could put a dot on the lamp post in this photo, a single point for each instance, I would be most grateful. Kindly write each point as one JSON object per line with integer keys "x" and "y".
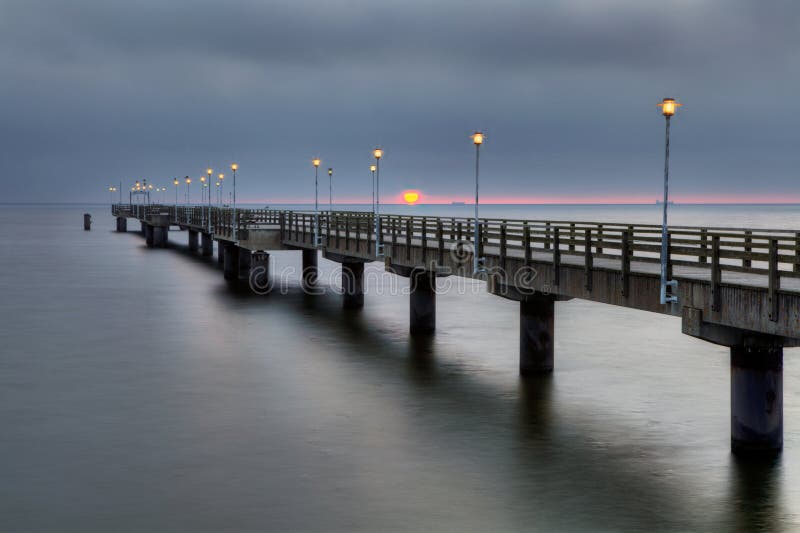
{"x": 372, "y": 169}
{"x": 221, "y": 177}
{"x": 175, "y": 182}
{"x": 218, "y": 197}
{"x": 111, "y": 194}
{"x": 378, "y": 153}
{"x": 668, "y": 107}
{"x": 477, "y": 262}
{"x": 234, "y": 168}
{"x": 316, "y": 161}
{"x": 188, "y": 181}
{"x": 330, "y": 191}
{"x": 209, "y": 171}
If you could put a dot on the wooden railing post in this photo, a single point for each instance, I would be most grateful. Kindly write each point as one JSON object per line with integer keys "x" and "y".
{"x": 546, "y": 235}
{"x": 748, "y": 248}
{"x": 440, "y": 241}
{"x": 526, "y": 242}
{"x": 599, "y": 239}
{"x": 625, "y": 265}
{"x": 347, "y": 233}
{"x": 796, "y": 267}
{"x": 704, "y": 245}
{"x": 503, "y": 243}
{"x": 408, "y": 238}
{"x": 556, "y": 257}
{"x": 716, "y": 273}
{"x": 774, "y": 283}
{"x": 588, "y": 262}
{"x": 572, "y": 237}
{"x": 424, "y": 239}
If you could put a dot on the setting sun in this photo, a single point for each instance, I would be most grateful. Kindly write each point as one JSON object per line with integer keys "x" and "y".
{"x": 411, "y": 197}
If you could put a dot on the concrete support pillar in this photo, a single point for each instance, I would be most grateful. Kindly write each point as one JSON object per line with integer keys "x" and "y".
{"x": 144, "y": 227}
{"x": 220, "y": 253}
{"x": 193, "y": 240}
{"x": 536, "y": 338}
{"x": 149, "y": 235}
{"x": 756, "y": 399}
{"x": 87, "y": 221}
{"x": 245, "y": 257}
{"x": 122, "y": 224}
{"x": 353, "y": 285}
{"x": 160, "y": 236}
{"x": 423, "y": 302}
{"x": 259, "y": 272}
{"x": 310, "y": 270}
{"x": 230, "y": 267}
{"x": 207, "y": 245}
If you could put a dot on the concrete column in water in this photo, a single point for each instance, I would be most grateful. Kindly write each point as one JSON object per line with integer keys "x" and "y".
{"x": 230, "y": 267}
{"x": 144, "y": 227}
{"x": 536, "y": 337}
{"x": 756, "y": 398}
{"x": 245, "y": 257}
{"x": 310, "y": 270}
{"x": 353, "y": 285}
{"x": 122, "y": 224}
{"x": 259, "y": 272}
{"x": 220, "y": 252}
{"x": 149, "y": 235}
{"x": 160, "y": 236}
{"x": 423, "y": 302}
{"x": 207, "y": 245}
{"x": 193, "y": 240}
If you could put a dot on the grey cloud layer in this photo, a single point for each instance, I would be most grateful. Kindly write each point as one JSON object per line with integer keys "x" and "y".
{"x": 98, "y": 91}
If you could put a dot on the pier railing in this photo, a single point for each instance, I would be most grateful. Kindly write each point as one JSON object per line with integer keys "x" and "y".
{"x": 772, "y": 252}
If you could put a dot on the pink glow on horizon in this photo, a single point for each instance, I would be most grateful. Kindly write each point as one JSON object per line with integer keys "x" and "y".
{"x": 432, "y": 199}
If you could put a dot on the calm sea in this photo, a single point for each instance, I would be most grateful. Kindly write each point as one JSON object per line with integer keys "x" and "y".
{"x": 138, "y": 392}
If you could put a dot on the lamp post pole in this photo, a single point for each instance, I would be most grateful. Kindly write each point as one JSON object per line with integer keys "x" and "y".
{"x": 330, "y": 191}
{"x": 234, "y": 168}
{"x": 372, "y": 170}
{"x": 477, "y": 262}
{"x": 378, "y": 153}
{"x": 316, "y": 162}
{"x": 209, "y": 172}
{"x": 668, "y": 108}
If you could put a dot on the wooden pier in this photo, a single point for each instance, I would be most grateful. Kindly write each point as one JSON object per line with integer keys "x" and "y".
{"x": 736, "y": 287}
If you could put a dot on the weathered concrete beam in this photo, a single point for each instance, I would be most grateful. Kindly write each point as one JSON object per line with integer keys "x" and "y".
{"x": 122, "y": 224}
{"x": 220, "y": 252}
{"x": 692, "y": 324}
{"x": 230, "y": 269}
{"x": 353, "y": 285}
{"x": 245, "y": 257}
{"x": 756, "y": 397}
{"x": 536, "y": 335}
{"x": 310, "y": 268}
{"x": 144, "y": 227}
{"x": 422, "y": 305}
{"x": 193, "y": 240}
{"x": 149, "y": 235}
{"x": 160, "y": 236}
{"x": 260, "y": 281}
{"x": 207, "y": 245}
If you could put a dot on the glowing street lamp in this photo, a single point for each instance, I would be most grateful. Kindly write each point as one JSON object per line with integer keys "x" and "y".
{"x": 477, "y": 262}
{"x": 188, "y": 181}
{"x": 221, "y": 177}
{"x": 330, "y": 191}
{"x": 175, "y": 182}
{"x": 234, "y": 168}
{"x": 668, "y": 108}
{"x": 377, "y": 153}
{"x": 316, "y": 162}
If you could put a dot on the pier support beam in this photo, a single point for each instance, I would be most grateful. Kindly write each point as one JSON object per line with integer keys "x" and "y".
{"x": 756, "y": 398}
{"x": 310, "y": 270}
{"x": 245, "y": 257}
{"x": 536, "y": 337}
{"x": 160, "y": 236}
{"x": 220, "y": 252}
{"x": 230, "y": 267}
{"x": 144, "y": 228}
{"x": 259, "y": 272}
{"x": 352, "y": 285}
{"x": 423, "y": 302}
{"x": 149, "y": 235}
{"x": 122, "y": 224}
{"x": 207, "y": 245}
{"x": 193, "y": 240}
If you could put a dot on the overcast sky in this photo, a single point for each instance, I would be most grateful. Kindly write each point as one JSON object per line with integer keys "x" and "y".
{"x": 98, "y": 92}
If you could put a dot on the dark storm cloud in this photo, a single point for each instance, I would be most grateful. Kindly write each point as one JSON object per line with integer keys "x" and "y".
{"x": 94, "y": 92}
